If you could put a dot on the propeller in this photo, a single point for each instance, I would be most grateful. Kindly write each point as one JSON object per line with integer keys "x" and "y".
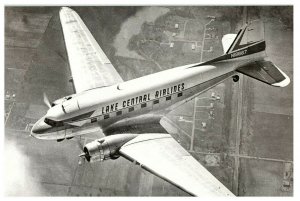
{"x": 46, "y": 100}
{"x": 84, "y": 155}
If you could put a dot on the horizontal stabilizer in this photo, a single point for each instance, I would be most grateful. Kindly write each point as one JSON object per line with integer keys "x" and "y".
{"x": 265, "y": 71}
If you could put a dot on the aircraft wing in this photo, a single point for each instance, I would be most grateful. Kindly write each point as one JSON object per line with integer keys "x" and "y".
{"x": 89, "y": 65}
{"x": 163, "y": 156}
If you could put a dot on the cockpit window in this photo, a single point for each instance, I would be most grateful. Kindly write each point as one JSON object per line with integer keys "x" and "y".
{"x": 53, "y": 123}
{"x": 59, "y": 101}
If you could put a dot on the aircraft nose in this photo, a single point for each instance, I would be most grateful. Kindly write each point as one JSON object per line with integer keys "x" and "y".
{"x": 56, "y": 113}
{"x": 40, "y": 127}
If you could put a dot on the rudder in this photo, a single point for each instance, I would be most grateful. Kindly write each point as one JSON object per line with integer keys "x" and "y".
{"x": 250, "y": 34}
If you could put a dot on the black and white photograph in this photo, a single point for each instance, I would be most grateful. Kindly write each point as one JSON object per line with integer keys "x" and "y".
{"x": 152, "y": 100}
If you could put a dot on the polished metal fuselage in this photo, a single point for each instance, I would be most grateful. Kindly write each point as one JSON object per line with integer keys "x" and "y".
{"x": 100, "y": 108}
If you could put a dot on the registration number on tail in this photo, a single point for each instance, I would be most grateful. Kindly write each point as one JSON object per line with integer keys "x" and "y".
{"x": 238, "y": 54}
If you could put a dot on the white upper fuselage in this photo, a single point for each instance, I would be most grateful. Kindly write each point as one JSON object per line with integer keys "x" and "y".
{"x": 148, "y": 87}
{"x": 106, "y": 101}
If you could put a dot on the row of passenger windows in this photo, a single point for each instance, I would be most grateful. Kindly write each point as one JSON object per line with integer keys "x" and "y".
{"x": 143, "y": 105}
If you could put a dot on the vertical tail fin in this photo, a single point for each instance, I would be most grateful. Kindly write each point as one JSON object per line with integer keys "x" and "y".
{"x": 250, "y": 34}
{"x": 248, "y": 41}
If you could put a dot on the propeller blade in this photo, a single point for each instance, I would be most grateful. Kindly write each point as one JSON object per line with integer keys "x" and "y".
{"x": 82, "y": 155}
{"x": 78, "y": 140}
{"x": 46, "y": 100}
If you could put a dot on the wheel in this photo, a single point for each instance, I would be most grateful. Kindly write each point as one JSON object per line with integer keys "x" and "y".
{"x": 235, "y": 78}
{"x": 114, "y": 157}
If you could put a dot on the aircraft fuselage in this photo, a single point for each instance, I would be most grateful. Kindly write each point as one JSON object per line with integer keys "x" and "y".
{"x": 91, "y": 110}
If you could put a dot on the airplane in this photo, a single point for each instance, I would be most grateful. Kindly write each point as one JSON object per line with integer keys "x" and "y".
{"x": 125, "y": 110}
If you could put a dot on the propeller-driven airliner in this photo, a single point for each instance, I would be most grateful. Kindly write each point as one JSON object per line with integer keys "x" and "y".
{"x": 125, "y": 110}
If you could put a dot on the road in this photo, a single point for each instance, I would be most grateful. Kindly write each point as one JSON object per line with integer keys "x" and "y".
{"x": 238, "y": 124}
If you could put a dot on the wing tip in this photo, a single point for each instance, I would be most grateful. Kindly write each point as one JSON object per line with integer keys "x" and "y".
{"x": 284, "y": 82}
{"x": 65, "y": 9}
{"x": 66, "y": 14}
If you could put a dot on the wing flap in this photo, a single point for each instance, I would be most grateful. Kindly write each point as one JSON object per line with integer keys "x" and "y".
{"x": 89, "y": 65}
{"x": 163, "y": 156}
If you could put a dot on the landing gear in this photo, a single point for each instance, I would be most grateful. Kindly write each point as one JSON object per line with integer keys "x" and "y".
{"x": 68, "y": 138}
{"x": 235, "y": 78}
{"x": 114, "y": 157}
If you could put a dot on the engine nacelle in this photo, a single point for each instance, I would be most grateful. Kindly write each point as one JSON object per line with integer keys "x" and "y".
{"x": 106, "y": 148}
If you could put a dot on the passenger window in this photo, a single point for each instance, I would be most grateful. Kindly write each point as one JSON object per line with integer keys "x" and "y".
{"x": 168, "y": 98}
{"x": 119, "y": 113}
{"x": 131, "y": 109}
{"x": 144, "y": 105}
{"x": 156, "y": 101}
{"x": 93, "y": 120}
{"x": 106, "y": 116}
{"x": 179, "y": 94}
